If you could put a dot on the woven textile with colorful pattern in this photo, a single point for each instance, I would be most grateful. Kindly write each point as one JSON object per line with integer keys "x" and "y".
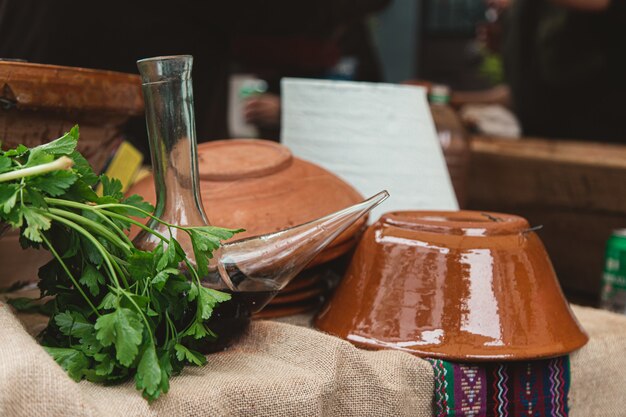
{"x": 511, "y": 389}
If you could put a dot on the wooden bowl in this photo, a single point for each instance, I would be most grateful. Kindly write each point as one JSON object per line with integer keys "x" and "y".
{"x": 465, "y": 286}
{"x": 259, "y": 186}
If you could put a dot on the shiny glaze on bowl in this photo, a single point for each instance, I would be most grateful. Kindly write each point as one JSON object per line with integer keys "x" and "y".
{"x": 465, "y": 286}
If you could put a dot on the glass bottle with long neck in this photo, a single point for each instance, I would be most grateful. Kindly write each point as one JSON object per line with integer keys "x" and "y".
{"x": 168, "y": 97}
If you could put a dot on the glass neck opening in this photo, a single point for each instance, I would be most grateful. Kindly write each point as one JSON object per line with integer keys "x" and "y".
{"x": 168, "y": 97}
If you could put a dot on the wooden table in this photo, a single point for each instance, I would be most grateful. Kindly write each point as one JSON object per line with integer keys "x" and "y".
{"x": 576, "y": 190}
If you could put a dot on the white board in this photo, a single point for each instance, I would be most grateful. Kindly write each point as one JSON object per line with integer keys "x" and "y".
{"x": 374, "y": 136}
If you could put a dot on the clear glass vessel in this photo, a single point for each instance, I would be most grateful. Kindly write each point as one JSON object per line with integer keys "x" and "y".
{"x": 253, "y": 270}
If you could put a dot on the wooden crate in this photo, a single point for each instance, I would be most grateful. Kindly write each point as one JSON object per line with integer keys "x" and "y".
{"x": 576, "y": 190}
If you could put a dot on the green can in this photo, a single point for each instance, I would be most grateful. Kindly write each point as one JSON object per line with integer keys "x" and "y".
{"x": 614, "y": 279}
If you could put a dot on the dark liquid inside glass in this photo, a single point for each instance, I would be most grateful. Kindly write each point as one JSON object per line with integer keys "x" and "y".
{"x": 230, "y": 318}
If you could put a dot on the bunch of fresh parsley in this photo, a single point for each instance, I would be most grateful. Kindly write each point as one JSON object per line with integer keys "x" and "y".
{"x": 117, "y": 311}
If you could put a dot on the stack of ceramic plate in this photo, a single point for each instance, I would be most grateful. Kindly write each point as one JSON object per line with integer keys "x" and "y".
{"x": 305, "y": 293}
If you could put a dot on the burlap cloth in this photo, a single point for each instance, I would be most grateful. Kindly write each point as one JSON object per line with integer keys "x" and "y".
{"x": 280, "y": 369}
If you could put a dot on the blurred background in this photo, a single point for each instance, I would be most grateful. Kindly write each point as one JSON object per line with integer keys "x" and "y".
{"x": 526, "y": 95}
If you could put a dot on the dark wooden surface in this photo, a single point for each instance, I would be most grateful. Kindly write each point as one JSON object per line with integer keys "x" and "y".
{"x": 576, "y": 190}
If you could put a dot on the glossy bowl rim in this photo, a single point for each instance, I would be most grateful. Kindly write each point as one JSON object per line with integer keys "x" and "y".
{"x": 463, "y": 222}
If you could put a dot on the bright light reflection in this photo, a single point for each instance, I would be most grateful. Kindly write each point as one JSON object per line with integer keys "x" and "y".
{"x": 428, "y": 337}
{"x": 481, "y": 305}
{"x": 411, "y": 242}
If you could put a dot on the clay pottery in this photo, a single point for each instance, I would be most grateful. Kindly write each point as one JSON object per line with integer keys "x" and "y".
{"x": 298, "y": 296}
{"x": 464, "y": 286}
{"x": 277, "y": 311}
{"x": 259, "y": 186}
{"x": 39, "y": 103}
{"x": 302, "y": 282}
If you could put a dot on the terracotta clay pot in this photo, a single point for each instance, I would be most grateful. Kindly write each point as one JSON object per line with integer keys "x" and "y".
{"x": 464, "y": 286}
{"x": 39, "y": 103}
{"x": 259, "y": 186}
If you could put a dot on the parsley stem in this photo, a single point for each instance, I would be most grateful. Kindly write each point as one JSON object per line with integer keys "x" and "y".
{"x": 145, "y": 213}
{"x": 113, "y": 226}
{"x": 94, "y": 241}
{"x": 83, "y": 206}
{"x": 197, "y": 279}
{"x": 129, "y": 207}
{"x": 103, "y": 231}
{"x": 171, "y": 328}
{"x": 136, "y": 223}
{"x": 60, "y": 164}
{"x": 69, "y": 274}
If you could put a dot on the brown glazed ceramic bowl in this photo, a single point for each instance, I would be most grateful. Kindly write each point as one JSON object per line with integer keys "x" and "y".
{"x": 259, "y": 186}
{"x": 465, "y": 286}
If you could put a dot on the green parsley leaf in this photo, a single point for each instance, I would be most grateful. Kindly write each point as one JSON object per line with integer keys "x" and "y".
{"x": 124, "y": 329}
{"x": 166, "y": 371}
{"x": 172, "y": 255}
{"x": 208, "y": 299}
{"x": 37, "y": 223}
{"x": 192, "y": 294}
{"x": 81, "y": 191}
{"x": 111, "y": 187}
{"x": 35, "y": 198}
{"x": 105, "y": 366}
{"x": 218, "y": 232}
{"x": 72, "y": 360}
{"x": 73, "y": 324}
{"x": 109, "y": 302}
{"x": 138, "y": 201}
{"x": 218, "y": 296}
{"x": 206, "y": 303}
{"x": 8, "y": 196}
{"x": 161, "y": 278}
{"x": 84, "y": 170}
{"x": 5, "y": 164}
{"x": 90, "y": 251}
{"x": 148, "y": 376}
{"x": 199, "y": 331}
{"x": 89, "y": 342}
{"x": 140, "y": 265}
{"x": 64, "y": 145}
{"x": 38, "y": 157}
{"x": 191, "y": 356}
{"x": 17, "y": 152}
{"x": 55, "y": 183}
{"x": 92, "y": 279}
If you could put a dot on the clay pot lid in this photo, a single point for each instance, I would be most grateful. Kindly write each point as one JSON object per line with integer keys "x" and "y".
{"x": 241, "y": 158}
{"x": 264, "y": 189}
{"x": 467, "y": 223}
{"x": 413, "y": 286}
{"x": 51, "y": 87}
